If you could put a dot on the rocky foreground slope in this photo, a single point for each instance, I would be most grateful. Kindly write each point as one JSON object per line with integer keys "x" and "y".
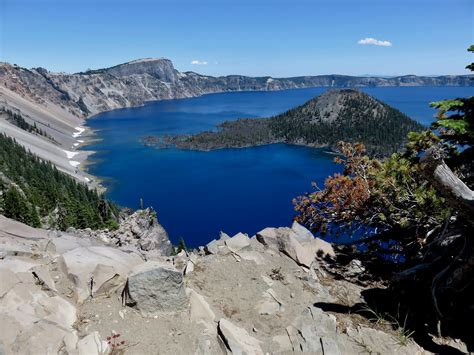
{"x": 96, "y": 293}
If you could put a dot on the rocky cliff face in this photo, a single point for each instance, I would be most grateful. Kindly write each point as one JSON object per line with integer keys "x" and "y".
{"x": 135, "y": 82}
{"x": 161, "y": 69}
{"x": 140, "y": 232}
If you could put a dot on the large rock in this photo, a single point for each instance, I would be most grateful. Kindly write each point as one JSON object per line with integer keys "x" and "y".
{"x": 43, "y": 277}
{"x": 238, "y": 340}
{"x": 155, "y": 287}
{"x": 32, "y": 320}
{"x": 238, "y": 242}
{"x": 288, "y": 244}
{"x": 269, "y": 237}
{"x": 296, "y": 242}
{"x": 199, "y": 309}
{"x": 251, "y": 255}
{"x": 218, "y": 246}
{"x": 159, "y": 68}
{"x": 97, "y": 270}
{"x": 314, "y": 332}
{"x": 64, "y": 243}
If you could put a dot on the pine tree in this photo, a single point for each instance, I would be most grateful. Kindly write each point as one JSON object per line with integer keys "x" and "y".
{"x": 42, "y": 190}
{"x": 15, "y": 206}
{"x": 181, "y": 246}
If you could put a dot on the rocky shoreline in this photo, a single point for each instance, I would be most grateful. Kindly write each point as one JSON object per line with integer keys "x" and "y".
{"x": 179, "y": 141}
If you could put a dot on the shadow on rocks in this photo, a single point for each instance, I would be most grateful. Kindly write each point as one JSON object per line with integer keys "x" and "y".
{"x": 380, "y": 304}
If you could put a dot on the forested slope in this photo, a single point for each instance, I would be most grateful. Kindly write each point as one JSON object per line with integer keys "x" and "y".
{"x": 36, "y": 193}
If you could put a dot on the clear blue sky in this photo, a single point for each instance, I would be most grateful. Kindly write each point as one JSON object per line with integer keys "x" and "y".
{"x": 252, "y": 37}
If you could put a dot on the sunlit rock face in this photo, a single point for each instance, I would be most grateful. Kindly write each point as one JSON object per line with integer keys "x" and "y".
{"x": 138, "y": 81}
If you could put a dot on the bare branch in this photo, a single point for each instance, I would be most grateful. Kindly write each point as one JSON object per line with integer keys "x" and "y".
{"x": 458, "y": 195}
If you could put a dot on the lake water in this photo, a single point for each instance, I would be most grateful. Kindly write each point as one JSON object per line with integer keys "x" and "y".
{"x": 198, "y": 194}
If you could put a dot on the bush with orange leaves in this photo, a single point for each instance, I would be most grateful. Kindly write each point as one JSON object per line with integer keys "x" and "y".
{"x": 386, "y": 204}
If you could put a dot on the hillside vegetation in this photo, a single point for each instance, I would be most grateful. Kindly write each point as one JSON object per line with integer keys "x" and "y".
{"x": 19, "y": 121}
{"x": 37, "y": 193}
{"x": 346, "y": 115}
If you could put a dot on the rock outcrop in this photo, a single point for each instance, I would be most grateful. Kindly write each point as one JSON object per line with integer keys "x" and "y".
{"x": 97, "y": 270}
{"x": 140, "y": 232}
{"x": 296, "y": 242}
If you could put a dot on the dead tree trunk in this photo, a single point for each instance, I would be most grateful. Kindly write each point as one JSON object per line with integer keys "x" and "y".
{"x": 451, "y": 288}
{"x": 457, "y": 194}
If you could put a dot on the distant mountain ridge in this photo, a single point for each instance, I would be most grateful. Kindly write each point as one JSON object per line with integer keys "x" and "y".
{"x": 135, "y": 82}
{"x": 337, "y": 115}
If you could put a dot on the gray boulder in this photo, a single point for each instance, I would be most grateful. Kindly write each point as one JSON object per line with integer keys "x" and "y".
{"x": 199, "y": 309}
{"x": 316, "y": 245}
{"x": 155, "y": 287}
{"x": 297, "y": 243}
{"x": 314, "y": 332}
{"x": 288, "y": 244}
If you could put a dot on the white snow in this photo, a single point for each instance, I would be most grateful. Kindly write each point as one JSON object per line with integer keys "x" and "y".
{"x": 70, "y": 154}
{"x": 74, "y": 163}
{"x": 80, "y": 141}
{"x": 87, "y": 179}
{"x": 75, "y": 144}
{"x": 79, "y": 130}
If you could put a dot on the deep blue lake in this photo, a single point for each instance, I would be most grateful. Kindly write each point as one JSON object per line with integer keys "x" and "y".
{"x": 198, "y": 194}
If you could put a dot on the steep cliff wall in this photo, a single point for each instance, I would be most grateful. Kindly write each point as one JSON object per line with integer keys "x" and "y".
{"x": 135, "y": 82}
